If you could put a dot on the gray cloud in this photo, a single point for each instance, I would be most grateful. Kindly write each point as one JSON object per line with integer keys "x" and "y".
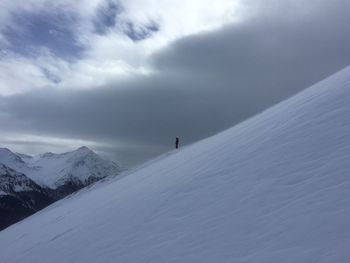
{"x": 202, "y": 84}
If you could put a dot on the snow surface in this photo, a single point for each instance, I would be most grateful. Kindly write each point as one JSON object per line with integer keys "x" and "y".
{"x": 275, "y": 188}
{"x": 53, "y": 170}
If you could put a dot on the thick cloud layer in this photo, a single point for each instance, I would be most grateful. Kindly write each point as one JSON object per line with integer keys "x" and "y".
{"x": 200, "y": 85}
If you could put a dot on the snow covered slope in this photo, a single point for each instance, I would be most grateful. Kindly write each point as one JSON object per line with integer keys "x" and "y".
{"x": 275, "y": 188}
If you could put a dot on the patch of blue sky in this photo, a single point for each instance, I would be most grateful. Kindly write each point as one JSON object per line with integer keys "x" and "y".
{"x": 140, "y": 32}
{"x": 107, "y": 17}
{"x": 53, "y": 78}
{"x": 52, "y": 31}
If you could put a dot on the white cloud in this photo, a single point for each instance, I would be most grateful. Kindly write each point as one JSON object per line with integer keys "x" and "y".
{"x": 20, "y": 75}
{"x": 108, "y": 56}
{"x": 182, "y": 17}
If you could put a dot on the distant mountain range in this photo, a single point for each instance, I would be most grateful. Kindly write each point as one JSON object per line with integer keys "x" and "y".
{"x": 30, "y": 183}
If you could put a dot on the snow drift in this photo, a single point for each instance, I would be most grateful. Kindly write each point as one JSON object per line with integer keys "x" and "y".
{"x": 275, "y": 188}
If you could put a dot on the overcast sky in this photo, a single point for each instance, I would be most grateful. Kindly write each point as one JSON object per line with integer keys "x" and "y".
{"x": 126, "y": 77}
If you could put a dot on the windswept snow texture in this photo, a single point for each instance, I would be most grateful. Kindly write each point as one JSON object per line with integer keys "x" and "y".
{"x": 275, "y": 188}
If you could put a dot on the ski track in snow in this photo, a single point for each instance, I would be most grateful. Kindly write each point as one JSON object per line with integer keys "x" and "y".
{"x": 275, "y": 188}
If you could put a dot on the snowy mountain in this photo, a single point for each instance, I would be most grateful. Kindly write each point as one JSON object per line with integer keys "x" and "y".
{"x": 80, "y": 167}
{"x": 12, "y": 160}
{"x": 19, "y": 196}
{"x": 52, "y": 175}
{"x": 273, "y": 189}
{"x": 12, "y": 182}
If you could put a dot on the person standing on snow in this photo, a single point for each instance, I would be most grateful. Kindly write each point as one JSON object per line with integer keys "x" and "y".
{"x": 177, "y": 143}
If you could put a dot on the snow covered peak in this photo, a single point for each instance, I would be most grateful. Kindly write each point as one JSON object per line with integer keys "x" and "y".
{"x": 274, "y": 188}
{"x": 12, "y": 160}
{"x": 8, "y": 156}
{"x": 84, "y": 149}
{"x": 81, "y": 151}
{"x": 81, "y": 166}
